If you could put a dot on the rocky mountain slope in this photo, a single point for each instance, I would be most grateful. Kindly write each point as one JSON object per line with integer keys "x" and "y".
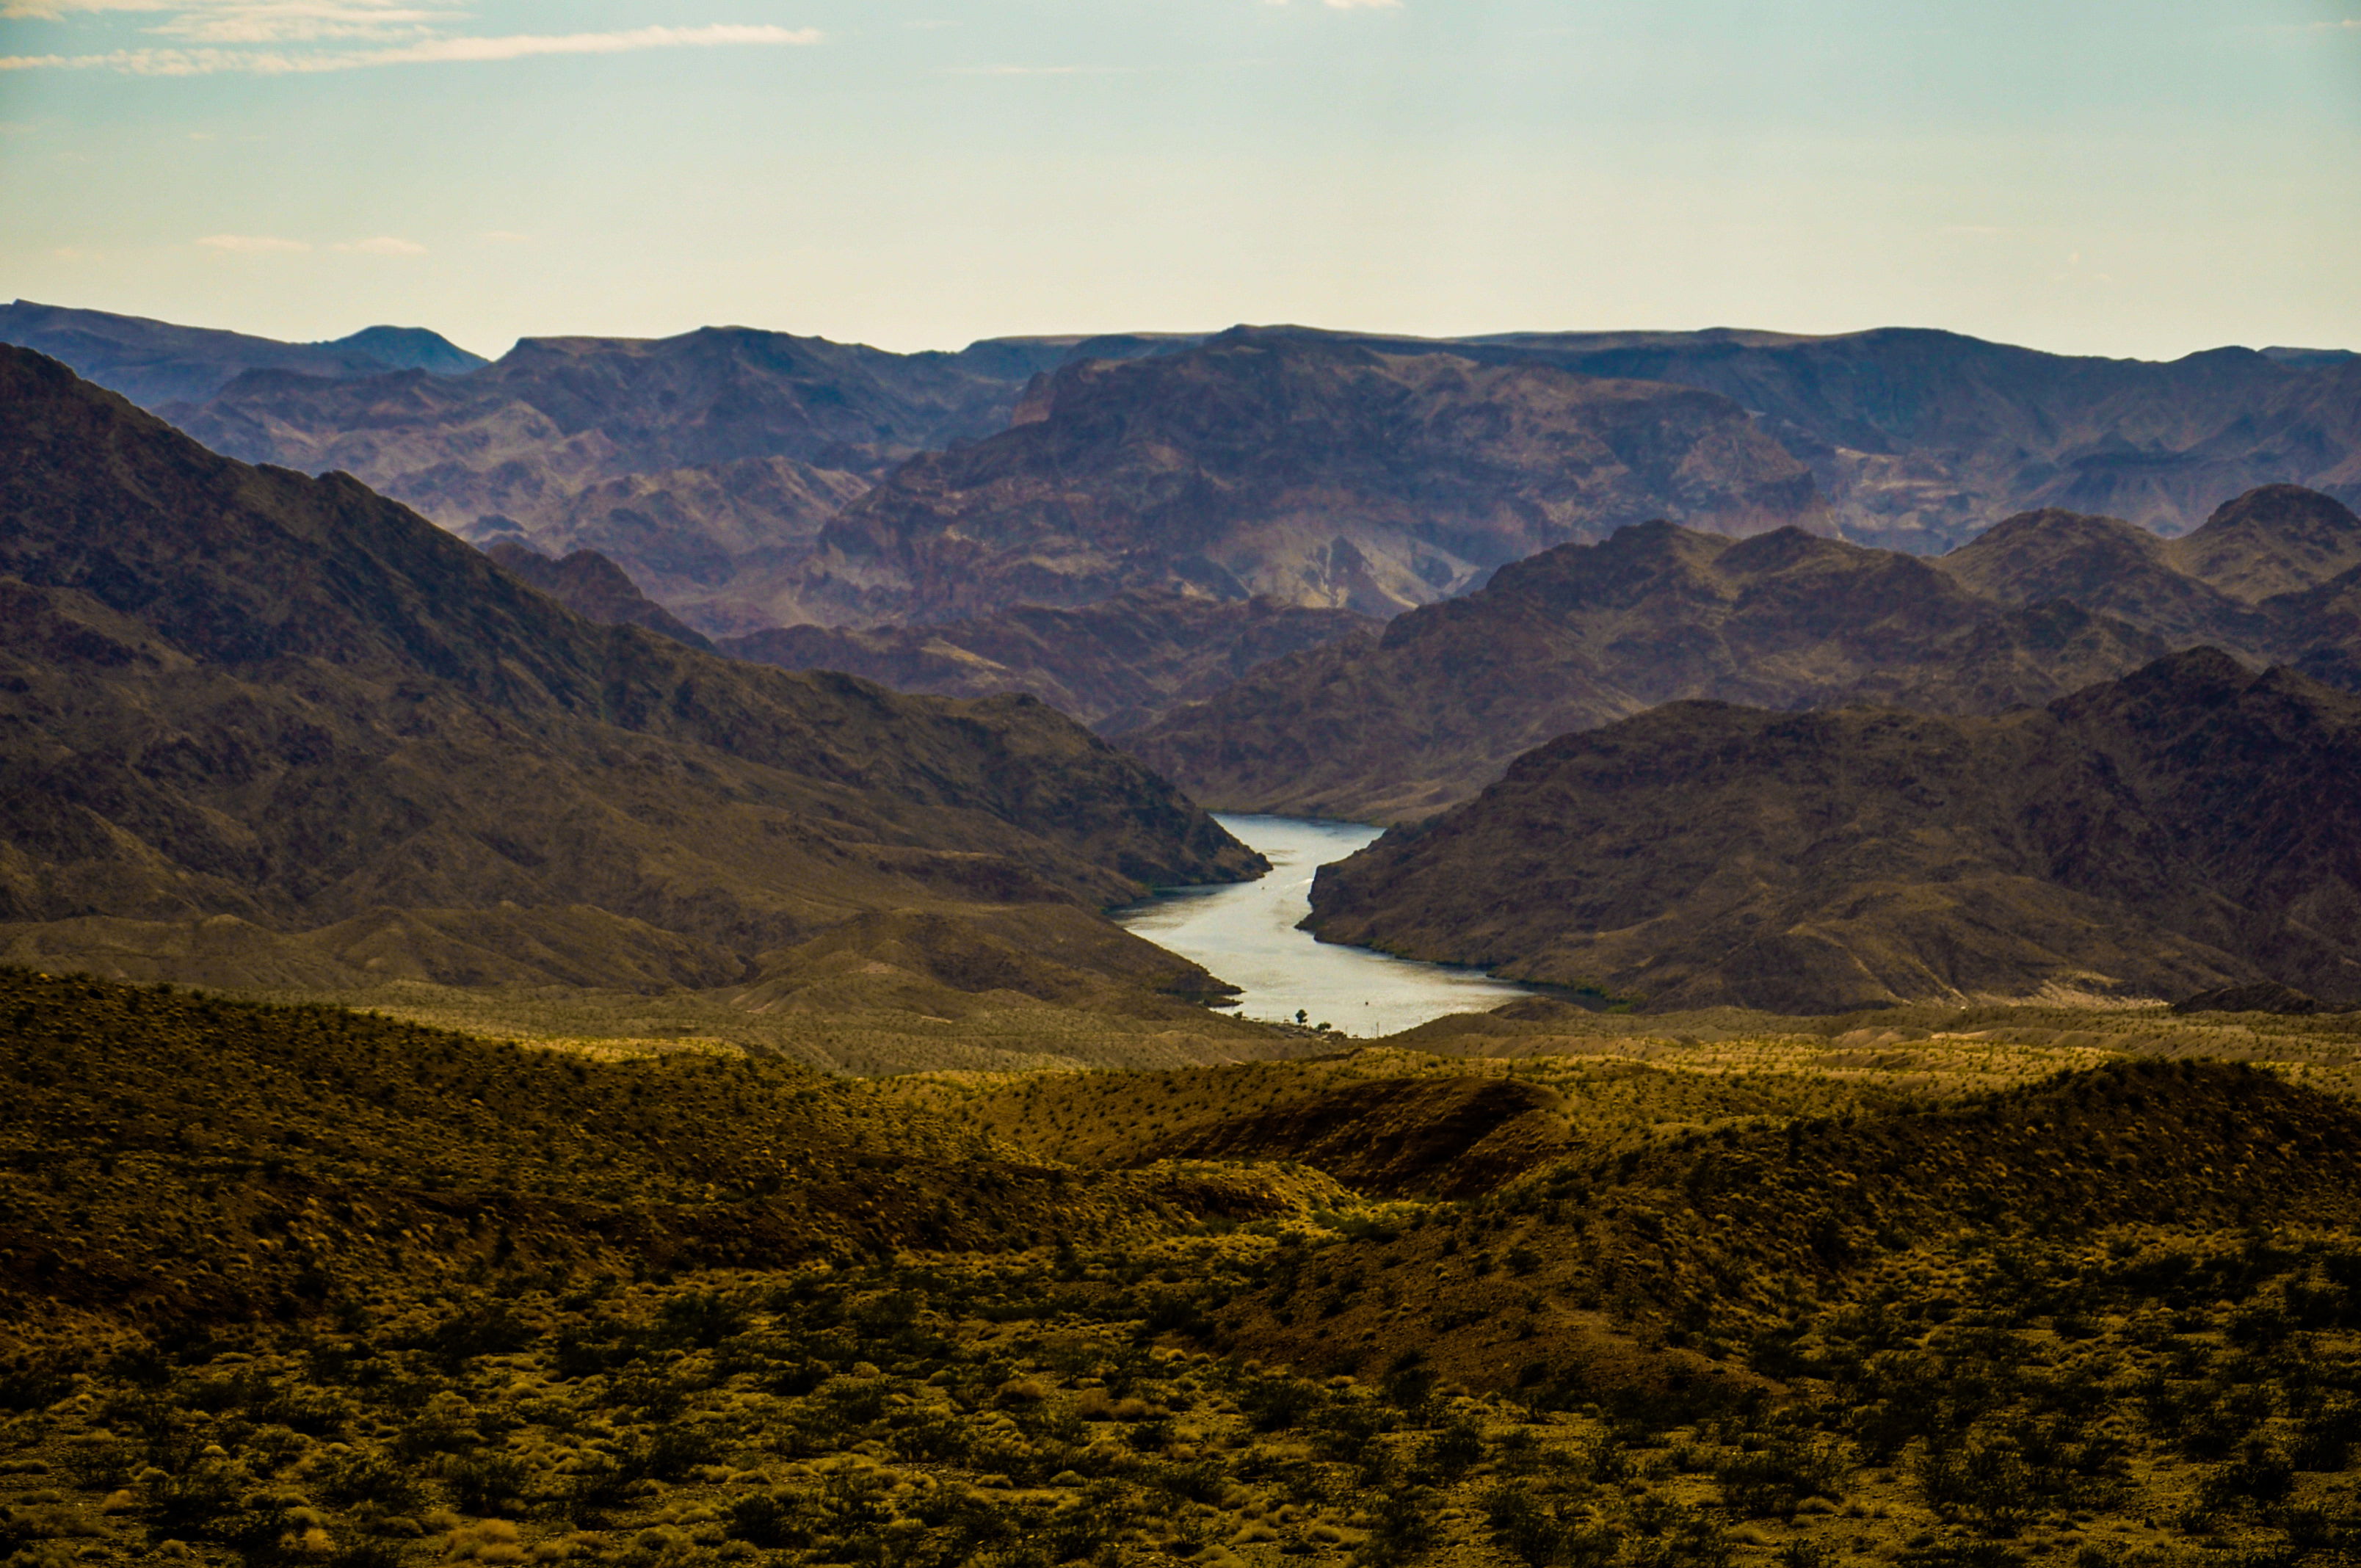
{"x": 2189, "y": 825}
{"x": 703, "y": 464}
{"x": 1392, "y": 728}
{"x": 1919, "y": 440}
{"x": 156, "y": 363}
{"x": 1114, "y": 665}
{"x": 240, "y": 692}
{"x": 594, "y": 588}
{"x": 2235, "y": 581}
{"x": 1282, "y": 463}
{"x": 2036, "y": 607}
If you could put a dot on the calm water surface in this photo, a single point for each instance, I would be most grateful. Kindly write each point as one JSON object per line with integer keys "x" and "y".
{"x": 1245, "y": 932}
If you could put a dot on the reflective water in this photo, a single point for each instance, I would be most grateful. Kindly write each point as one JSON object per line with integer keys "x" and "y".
{"x": 1245, "y": 932}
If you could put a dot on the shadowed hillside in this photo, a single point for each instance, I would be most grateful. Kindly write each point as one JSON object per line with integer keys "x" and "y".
{"x": 1114, "y": 665}
{"x": 2185, "y": 828}
{"x": 594, "y": 588}
{"x": 241, "y": 692}
{"x": 1392, "y": 730}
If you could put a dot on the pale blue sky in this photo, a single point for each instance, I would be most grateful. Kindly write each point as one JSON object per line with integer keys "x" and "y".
{"x": 2089, "y": 176}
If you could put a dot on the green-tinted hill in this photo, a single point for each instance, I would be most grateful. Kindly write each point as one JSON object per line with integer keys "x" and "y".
{"x": 1393, "y": 729}
{"x": 166, "y": 1155}
{"x": 1114, "y": 665}
{"x": 240, "y": 691}
{"x": 1717, "y": 1235}
{"x": 2189, "y": 825}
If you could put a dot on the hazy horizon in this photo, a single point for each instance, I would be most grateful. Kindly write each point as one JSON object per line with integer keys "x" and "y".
{"x": 2140, "y": 181}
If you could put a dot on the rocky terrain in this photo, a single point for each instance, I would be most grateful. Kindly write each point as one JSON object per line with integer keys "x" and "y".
{"x": 1114, "y": 665}
{"x": 2185, "y": 828}
{"x": 594, "y": 588}
{"x": 240, "y": 694}
{"x": 2046, "y": 602}
{"x": 1390, "y": 728}
{"x": 157, "y": 364}
{"x": 1315, "y": 470}
{"x": 1920, "y": 440}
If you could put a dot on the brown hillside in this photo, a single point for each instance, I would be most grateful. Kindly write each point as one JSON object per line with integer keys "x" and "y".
{"x": 1114, "y": 665}
{"x": 594, "y": 588}
{"x": 240, "y": 691}
{"x": 1586, "y": 633}
{"x": 2185, "y": 828}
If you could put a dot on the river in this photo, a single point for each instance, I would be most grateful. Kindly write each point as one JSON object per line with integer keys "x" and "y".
{"x": 1246, "y": 933}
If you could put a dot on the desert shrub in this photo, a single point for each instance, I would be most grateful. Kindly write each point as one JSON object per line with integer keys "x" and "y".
{"x": 1777, "y": 1477}
{"x": 596, "y": 1488}
{"x": 32, "y": 1386}
{"x": 1453, "y": 1452}
{"x": 2259, "y": 1474}
{"x": 1403, "y": 1530}
{"x": 371, "y": 1480}
{"x": 486, "y": 1329}
{"x": 669, "y": 1453}
{"x": 1276, "y": 1404}
{"x": 702, "y": 1319}
{"x": 99, "y": 1463}
{"x": 1983, "y": 1480}
{"x": 200, "y": 1500}
{"x": 773, "y": 1519}
{"x": 481, "y": 1482}
{"x": 1524, "y": 1528}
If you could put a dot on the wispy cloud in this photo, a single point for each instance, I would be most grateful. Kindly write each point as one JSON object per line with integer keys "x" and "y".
{"x": 253, "y": 244}
{"x": 384, "y": 245}
{"x": 409, "y": 36}
{"x": 1039, "y": 69}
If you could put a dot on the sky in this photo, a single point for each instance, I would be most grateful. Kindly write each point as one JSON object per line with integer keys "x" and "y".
{"x": 2141, "y": 179}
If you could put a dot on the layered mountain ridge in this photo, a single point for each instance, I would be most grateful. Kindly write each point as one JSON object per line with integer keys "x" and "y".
{"x": 2047, "y": 602}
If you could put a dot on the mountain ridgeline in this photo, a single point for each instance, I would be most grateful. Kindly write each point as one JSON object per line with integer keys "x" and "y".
{"x": 242, "y": 692}
{"x": 1424, "y": 716}
{"x": 749, "y": 479}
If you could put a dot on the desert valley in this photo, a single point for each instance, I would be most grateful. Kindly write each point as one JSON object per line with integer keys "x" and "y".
{"x": 1579, "y": 949}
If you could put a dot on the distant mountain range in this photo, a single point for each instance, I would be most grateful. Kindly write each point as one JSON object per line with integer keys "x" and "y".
{"x": 747, "y": 479}
{"x": 155, "y": 362}
{"x": 1395, "y": 728}
{"x": 2191, "y": 825}
{"x": 1309, "y": 468}
{"x": 283, "y": 728}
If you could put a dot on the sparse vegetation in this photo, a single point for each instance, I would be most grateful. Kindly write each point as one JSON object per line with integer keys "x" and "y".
{"x": 408, "y": 1297}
